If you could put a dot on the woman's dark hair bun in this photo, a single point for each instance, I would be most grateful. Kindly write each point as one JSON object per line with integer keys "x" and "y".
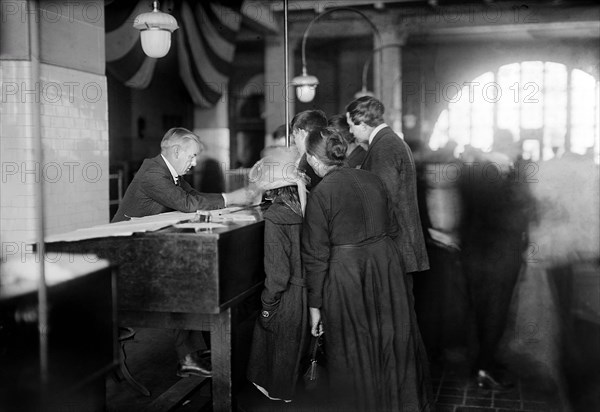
{"x": 335, "y": 145}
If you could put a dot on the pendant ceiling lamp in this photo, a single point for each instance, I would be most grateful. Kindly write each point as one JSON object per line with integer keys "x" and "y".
{"x": 364, "y": 91}
{"x": 306, "y": 85}
{"x": 155, "y": 30}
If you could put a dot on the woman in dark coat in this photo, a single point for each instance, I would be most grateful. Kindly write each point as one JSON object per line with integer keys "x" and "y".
{"x": 281, "y": 331}
{"x": 356, "y": 287}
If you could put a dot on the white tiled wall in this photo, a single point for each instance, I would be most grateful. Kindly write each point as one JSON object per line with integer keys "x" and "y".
{"x": 74, "y": 168}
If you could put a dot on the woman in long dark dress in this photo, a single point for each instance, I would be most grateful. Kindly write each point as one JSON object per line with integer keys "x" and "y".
{"x": 281, "y": 330}
{"x": 357, "y": 294}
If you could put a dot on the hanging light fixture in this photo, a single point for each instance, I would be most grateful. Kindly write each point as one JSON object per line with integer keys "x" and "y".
{"x": 364, "y": 91}
{"x": 306, "y": 85}
{"x": 156, "y": 28}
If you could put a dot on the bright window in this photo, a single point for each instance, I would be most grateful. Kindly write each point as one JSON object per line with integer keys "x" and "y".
{"x": 546, "y": 106}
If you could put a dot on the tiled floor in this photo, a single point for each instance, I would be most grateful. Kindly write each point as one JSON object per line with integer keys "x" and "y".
{"x": 455, "y": 392}
{"x": 152, "y": 361}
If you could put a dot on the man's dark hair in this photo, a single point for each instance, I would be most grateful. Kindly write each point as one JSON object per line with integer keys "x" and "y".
{"x": 309, "y": 120}
{"x": 367, "y": 110}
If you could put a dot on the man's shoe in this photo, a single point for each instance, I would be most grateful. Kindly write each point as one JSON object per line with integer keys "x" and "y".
{"x": 486, "y": 381}
{"x": 194, "y": 365}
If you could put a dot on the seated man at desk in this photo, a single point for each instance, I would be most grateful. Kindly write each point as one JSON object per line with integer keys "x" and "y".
{"x": 158, "y": 187}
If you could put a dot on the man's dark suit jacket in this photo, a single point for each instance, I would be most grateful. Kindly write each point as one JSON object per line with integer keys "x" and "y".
{"x": 152, "y": 191}
{"x": 390, "y": 158}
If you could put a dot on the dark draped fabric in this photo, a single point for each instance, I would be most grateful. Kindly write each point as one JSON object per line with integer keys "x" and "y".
{"x": 204, "y": 43}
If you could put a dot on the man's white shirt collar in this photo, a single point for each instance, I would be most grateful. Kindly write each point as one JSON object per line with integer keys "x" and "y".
{"x": 375, "y": 131}
{"x": 171, "y": 169}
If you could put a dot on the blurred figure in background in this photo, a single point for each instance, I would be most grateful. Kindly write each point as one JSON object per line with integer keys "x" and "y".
{"x": 561, "y": 278}
{"x": 277, "y": 141}
{"x": 493, "y": 236}
{"x": 279, "y": 136}
{"x": 208, "y": 174}
{"x": 568, "y": 196}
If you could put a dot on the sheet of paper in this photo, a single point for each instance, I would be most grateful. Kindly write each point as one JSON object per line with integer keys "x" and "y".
{"x": 235, "y": 217}
{"x": 160, "y": 218}
{"x": 199, "y": 226}
{"x": 125, "y": 228}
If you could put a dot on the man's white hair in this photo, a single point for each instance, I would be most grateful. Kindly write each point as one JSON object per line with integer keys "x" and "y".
{"x": 178, "y": 136}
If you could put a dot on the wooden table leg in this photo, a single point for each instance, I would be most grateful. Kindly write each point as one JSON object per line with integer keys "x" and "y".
{"x": 220, "y": 342}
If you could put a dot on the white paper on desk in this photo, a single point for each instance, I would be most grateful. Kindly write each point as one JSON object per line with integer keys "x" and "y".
{"x": 199, "y": 226}
{"x": 125, "y": 228}
{"x": 236, "y": 217}
{"x": 168, "y": 217}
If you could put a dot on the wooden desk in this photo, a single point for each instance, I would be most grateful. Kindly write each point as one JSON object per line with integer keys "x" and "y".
{"x": 184, "y": 280}
{"x": 80, "y": 347}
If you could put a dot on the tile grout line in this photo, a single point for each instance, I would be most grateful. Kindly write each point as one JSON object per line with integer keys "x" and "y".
{"x": 439, "y": 388}
{"x": 520, "y": 389}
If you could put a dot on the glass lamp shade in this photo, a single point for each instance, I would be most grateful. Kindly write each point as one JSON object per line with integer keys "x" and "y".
{"x": 306, "y": 86}
{"x": 156, "y": 43}
{"x": 306, "y": 93}
{"x": 156, "y": 28}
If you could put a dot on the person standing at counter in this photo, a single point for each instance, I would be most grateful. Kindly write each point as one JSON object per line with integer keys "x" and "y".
{"x": 281, "y": 330}
{"x": 357, "y": 293}
{"x": 390, "y": 158}
{"x": 302, "y": 124}
{"x": 497, "y": 209}
{"x": 158, "y": 187}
